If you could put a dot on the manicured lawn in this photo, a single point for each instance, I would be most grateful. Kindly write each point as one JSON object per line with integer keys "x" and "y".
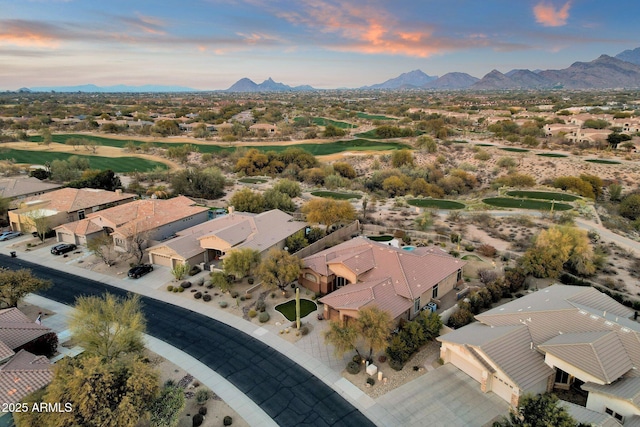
{"x": 336, "y": 195}
{"x": 116, "y": 164}
{"x": 321, "y": 121}
{"x": 253, "y": 180}
{"x": 382, "y": 238}
{"x": 543, "y": 195}
{"x": 288, "y": 309}
{"x": 551, "y": 155}
{"x": 362, "y": 115}
{"x": 460, "y": 141}
{"x": 603, "y": 162}
{"x": 485, "y": 145}
{"x": 515, "y": 150}
{"x": 436, "y": 203}
{"x": 509, "y": 202}
{"x": 471, "y": 258}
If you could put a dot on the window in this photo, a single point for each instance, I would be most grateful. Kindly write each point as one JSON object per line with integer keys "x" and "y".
{"x": 416, "y": 305}
{"x": 434, "y": 291}
{"x": 562, "y": 377}
{"x": 340, "y": 282}
{"x": 614, "y": 414}
{"x": 459, "y": 275}
{"x": 81, "y": 214}
{"x": 310, "y": 277}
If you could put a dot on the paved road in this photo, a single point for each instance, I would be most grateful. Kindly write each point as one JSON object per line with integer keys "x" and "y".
{"x": 285, "y": 391}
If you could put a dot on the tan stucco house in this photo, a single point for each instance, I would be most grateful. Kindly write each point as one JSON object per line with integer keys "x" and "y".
{"x": 361, "y": 272}
{"x": 556, "y": 338}
{"x": 213, "y": 239}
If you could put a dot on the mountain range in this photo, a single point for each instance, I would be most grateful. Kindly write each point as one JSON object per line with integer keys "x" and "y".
{"x": 605, "y": 72}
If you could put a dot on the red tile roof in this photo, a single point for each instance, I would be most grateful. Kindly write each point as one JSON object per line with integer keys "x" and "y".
{"x": 16, "y": 329}
{"x": 22, "y": 375}
{"x": 74, "y": 199}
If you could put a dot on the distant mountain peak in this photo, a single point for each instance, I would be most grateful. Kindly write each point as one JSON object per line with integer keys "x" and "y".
{"x": 412, "y": 79}
{"x": 269, "y": 85}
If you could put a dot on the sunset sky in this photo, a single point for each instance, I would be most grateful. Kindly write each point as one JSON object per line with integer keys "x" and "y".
{"x": 210, "y": 44}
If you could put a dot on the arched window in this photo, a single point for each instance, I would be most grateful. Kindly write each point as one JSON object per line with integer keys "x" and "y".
{"x": 311, "y": 277}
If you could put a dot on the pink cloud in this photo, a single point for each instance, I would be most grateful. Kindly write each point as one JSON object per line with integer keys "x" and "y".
{"x": 547, "y": 14}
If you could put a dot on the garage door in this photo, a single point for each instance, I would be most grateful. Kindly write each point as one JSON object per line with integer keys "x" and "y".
{"x": 66, "y": 238}
{"x": 163, "y": 260}
{"x": 501, "y": 388}
{"x": 466, "y": 366}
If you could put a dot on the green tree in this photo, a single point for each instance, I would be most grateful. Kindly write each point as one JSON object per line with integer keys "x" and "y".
{"x": 221, "y": 280}
{"x": 630, "y": 207}
{"x": 279, "y": 269}
{"x": 166, "y": 409}
{"x": 343, "y": 336}
{"x": 15, "y": 284}
{"x": 180, "y": 270}
{"x": 328, "y": 211}
{"x": 424, "y": 221}
{"x": 296, "y": 241}
{"x": 288, "y": 187}
{"x": 246, "y": 200}
{"x": 273, "y": 199}
{"x": 108, "y": 327}
{"x": 39, "y": 221}
{"x": 541, "y": 410}
{"x": 345, "y": 170}
{"x": 331, "y": 131}
{"x": 400, "y": 158}
{"x": 205, "y": 183}
{"x": 426, "y": 143}
{"x": 395, "y": 186}
{"x": 374, "y": 326}
{"x": 240, "y": 262}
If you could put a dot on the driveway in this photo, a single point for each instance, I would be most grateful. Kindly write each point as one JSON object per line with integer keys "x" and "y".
{"x": 443, "y": 397}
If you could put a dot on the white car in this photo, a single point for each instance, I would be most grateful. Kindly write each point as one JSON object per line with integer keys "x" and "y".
{"x": 6, "y": 235}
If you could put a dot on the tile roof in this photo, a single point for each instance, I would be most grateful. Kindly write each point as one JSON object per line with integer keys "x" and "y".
{"x": 626, "y": 388}
{"x": 16, "y": 329}
{"x": 412, "y": 272}
{"x": 598, "y": 353}
{"x": 22, "y": 375}
{"x": 5, "y": 352}
{"x": 74, "y": 199}
{"x": 16, "y": 187}
{"x": 588, "y": 417}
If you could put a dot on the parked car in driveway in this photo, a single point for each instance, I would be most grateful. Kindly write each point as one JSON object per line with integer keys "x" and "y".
{"x": 63, "y": 248}
{"x": 140, "y": 270}
{"x": 9, "y": 235}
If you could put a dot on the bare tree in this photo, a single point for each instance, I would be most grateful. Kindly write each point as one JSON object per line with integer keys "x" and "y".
{"x": 103, "y": 247}
{"x": 40, "y": 221}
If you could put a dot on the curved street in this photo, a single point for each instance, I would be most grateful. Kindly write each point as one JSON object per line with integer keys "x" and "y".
{"x": 288, "y": 393}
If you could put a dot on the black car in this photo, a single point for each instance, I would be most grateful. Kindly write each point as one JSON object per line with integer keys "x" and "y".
{"x": 140, "y": 270}
{"x": 63, "y": 248}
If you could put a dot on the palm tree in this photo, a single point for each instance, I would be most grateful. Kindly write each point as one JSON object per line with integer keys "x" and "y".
{"x": 342, "y": 336}
{"x": 374, "y": 325}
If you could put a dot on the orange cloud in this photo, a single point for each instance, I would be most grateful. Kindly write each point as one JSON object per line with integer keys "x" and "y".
{"x": 21, "y": 33}
{"x": 547, "y": 15}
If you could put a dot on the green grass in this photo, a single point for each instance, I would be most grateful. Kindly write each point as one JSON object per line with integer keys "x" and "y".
{"x": 116, "y": 164}
{"x": 288, "y": 309}
{"x": 485, "y": 145}
{"x": 253, "y": 180}
{"x": 321, "y": 121}
{"x": 336, "y": 195}
{"x": 459, "y": 141}
{"x": 515, "y": 150}
{"x": 509, "y": 202}
{"x": 603, "y": 162}
{"x": 362, "y": 115}
{"x": 471, "y": 258}
{"x": 382, "y": 238}
{"x": 551, "y": 155}
{"x": 436, "y": 203}
{"x": 543, "y": 195}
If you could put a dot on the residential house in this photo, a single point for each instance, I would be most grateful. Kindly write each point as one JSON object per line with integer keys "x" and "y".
{"x": 588, "y": 135}
{"x": 64, "y": 205}
{"x": 152, "y": 220}
{"x": 560, "y": 337}
{"x": 213, "y": 239}
{"x": 556, "y": 129}
{"x": 269, "y": 129}
{"x": 360, "y": 273}
{"x": 19, "y": 188}
{"x": 17, "y": 330}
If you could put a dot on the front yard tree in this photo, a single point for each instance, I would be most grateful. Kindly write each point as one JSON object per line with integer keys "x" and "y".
{"x": 15, "y": 284}
{"x": 240, "y": 262}
{"x": 246, "y": 200}
{"x": 538, "y": 411}
{"x": 40, "y": 221}
{"x": 108, "y": 327}
{"x": 103, "y": 247}
{"x": 328, "y": 211}
{"x": 180, "y": 270}
{"x": 374, "y": 326}
{"x": 343, "y": 336}
{"x": 279, "y": 269}
{"x": 221, "y": 280}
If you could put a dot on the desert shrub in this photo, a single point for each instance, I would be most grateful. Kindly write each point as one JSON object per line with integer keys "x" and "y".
{"x": 304, "y": 330}
{"x": 252, "y": 313}
{"x": 227, "y": 420}
{"x": 382, "y": 358}
{"x": 222, "y": 304}
{"x": 234, "y": 294}
{"x": 194, "y": 270}
{"x": 454, "y": 254}
{"x": 261, "y": 306}
{"x": 176, "y": 289}
{"x": 469, "y": 248}
{"x": 197, "y": 295}
{"x": 202, "y": 395}
{"x": 487, "y": 250}
{"x": 242, "y": 298}
{"x": 170, "y": 288}
{"x": 460, "y": 318}
{"x": 248, "y": 296}
{"x": 353, "y": 368}
{"x": 371, "y": 381}
{"x": 202, "y": 410}
{"x": 206, "y": 297}
{"x": 185, "y": 285}
{"x": 357, "y": 358}
{"x": 197, "y": 420}
{"x": 199, "y": 282}
{"x": 396, "y": 365}
{"x": 180, "y": 289}
{"x": 264, "y": 317}
{"x": 250, "y": 280}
